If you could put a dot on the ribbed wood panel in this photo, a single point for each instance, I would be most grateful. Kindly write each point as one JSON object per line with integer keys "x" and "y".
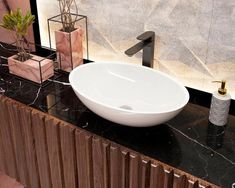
{"x": 134, "y": 177}
{"x": 124, "y": 169}
{"x": 98, "y": 163}
{"x": 18, "y": 143}
{"x": 84, "y": 159}
{"x": 182, "y": 182}
{"x": 106, "y": 162}
{"x": 2, "y": 151}
{"x": 169, "y": 179}
{"x": 29, "y": 148}
{"x": 2, "y": 159}
{"x": 115, "y": 167}
{"x": 54, "y": 152}
{"x": 6, "y": 138}
{"x": 41, "y": 149}
{"x": 194, "y": 185}
{"x": 157, "y": 175}
{"x": 44, "y": 152}
{"x": 145, "y": 173}
{"x": 67, "y": 140}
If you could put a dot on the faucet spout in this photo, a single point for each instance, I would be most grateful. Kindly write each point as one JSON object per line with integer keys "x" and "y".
{"x": 147, "y": 44}
{"x": 134, "y": 49}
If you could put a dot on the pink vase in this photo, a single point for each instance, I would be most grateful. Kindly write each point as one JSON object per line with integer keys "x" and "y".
{"x": 30, "y": 69}
{"x": 69, "y": 49}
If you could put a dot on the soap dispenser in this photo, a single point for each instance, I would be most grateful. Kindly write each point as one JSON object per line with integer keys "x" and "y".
{"x": 219, "y": 108}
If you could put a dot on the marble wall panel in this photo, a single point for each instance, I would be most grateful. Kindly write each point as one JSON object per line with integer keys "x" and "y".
{"x": 195, "y": 39}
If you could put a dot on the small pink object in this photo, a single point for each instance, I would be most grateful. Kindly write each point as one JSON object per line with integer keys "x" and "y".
{"x": 69, "y": 49}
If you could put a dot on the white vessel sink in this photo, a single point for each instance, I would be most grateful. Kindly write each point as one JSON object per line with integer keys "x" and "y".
{"x": 128, "y": 94}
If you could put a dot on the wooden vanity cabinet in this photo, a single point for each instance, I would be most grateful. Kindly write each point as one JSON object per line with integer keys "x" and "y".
{"x": 41, "y": 151}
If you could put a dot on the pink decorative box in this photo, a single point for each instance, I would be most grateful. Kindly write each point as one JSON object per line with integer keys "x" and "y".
{"x": 36, "y": 69}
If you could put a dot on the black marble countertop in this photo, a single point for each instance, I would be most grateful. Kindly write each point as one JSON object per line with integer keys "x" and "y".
{"x": 186, "y": 142}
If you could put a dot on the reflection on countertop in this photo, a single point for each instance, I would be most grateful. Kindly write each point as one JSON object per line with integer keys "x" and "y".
{"x": 186, "y": 142}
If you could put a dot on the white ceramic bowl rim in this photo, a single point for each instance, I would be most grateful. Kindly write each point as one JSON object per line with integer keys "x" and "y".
{"x": 183, "y": 103}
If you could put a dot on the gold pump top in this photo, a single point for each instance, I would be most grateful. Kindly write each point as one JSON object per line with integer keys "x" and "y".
{"x": 222, "y": 90}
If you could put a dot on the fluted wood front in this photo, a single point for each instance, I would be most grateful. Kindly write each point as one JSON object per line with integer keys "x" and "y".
{"x": 41, "y": 151}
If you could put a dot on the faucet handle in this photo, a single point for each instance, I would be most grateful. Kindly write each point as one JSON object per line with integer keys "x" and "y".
{"x": 147, "y": 35}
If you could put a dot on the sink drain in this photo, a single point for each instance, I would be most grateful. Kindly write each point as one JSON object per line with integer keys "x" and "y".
{"x": 125, "y": 107}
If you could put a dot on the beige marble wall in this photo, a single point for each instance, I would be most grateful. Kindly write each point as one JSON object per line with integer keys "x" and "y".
{"x": 195, "y": 39}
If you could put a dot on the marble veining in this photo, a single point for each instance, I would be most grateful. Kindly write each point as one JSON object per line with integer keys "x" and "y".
{"x": 202, "y": 145}
{"x": 182, "y": 142}
{"x": 36, "y": 97}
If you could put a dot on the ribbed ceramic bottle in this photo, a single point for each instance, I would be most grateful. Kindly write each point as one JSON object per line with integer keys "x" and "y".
{"x": 220, "y": 104}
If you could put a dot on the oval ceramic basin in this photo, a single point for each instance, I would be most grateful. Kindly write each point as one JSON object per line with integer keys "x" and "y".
{"x": 128, "y": 94}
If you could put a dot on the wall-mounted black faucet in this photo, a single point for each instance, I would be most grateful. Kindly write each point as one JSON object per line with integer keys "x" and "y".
{"x": 147, "y": 44}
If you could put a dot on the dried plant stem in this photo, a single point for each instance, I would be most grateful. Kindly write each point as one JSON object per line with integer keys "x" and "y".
{"x": 67, "y": 20}
{"x": 23, "y": 54}
{"x": 7, "y": 5}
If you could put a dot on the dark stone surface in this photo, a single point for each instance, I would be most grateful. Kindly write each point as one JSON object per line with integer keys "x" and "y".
{"x": 186, "y": 142}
